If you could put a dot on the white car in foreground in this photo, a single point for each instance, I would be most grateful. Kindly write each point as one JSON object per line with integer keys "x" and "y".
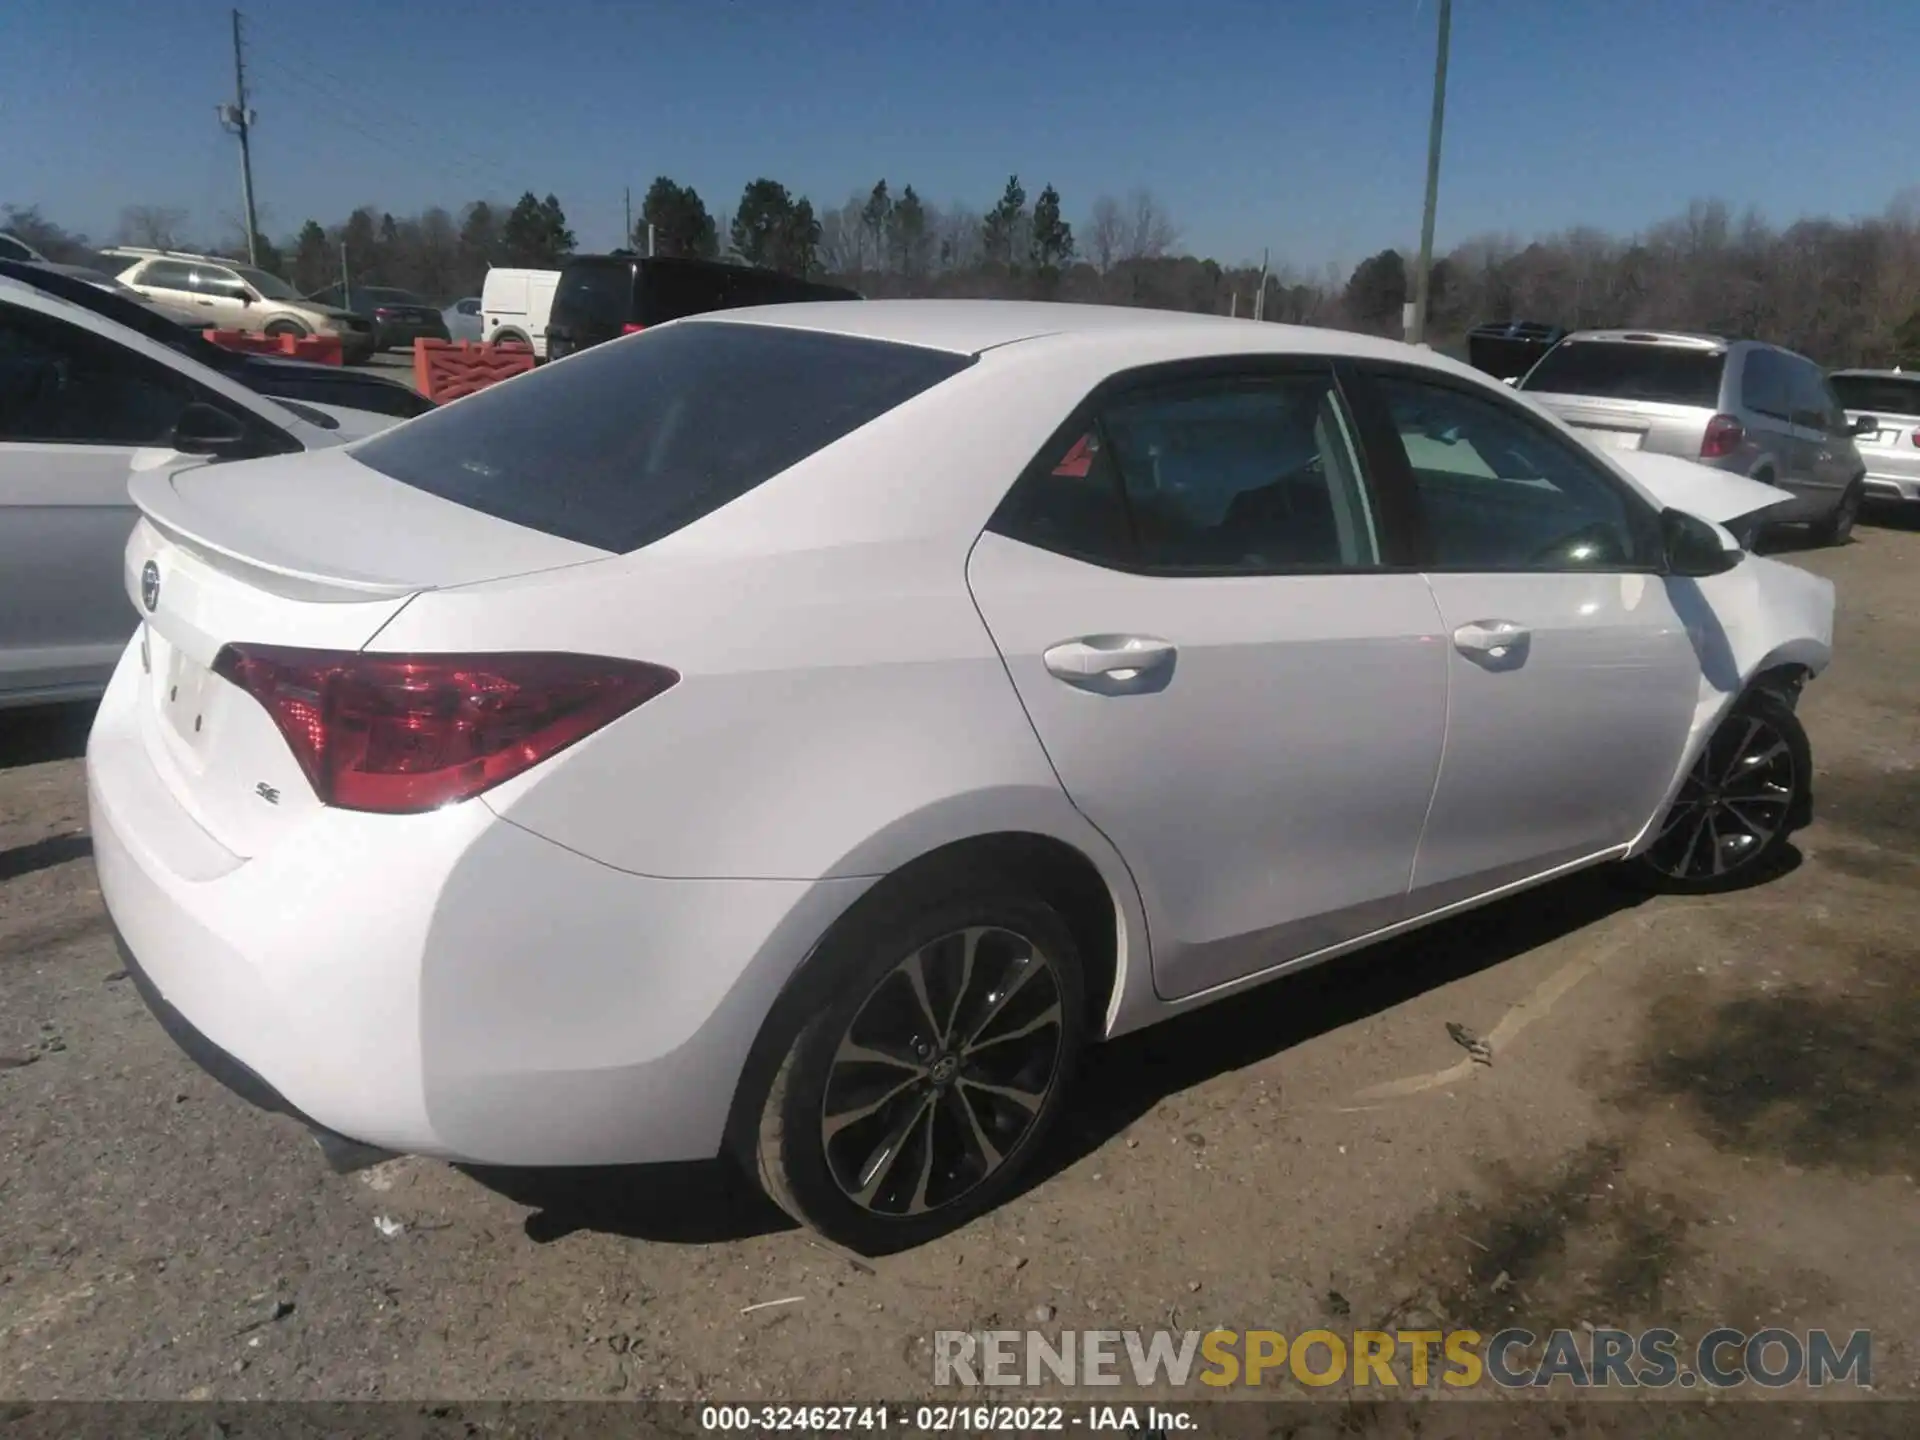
{"x": 86, "y": 403}
{"x": 797, "y": 732}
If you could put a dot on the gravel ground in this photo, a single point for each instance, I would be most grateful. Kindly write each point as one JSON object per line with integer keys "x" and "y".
{"x": 1698, "y": 1112}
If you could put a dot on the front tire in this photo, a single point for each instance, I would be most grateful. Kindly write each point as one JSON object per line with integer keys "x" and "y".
{"x": 1747, "y": 792}
{"x": 920, "y": 1095}
{"x": 1837, "y": 528}
{"x": 286, "y": 327}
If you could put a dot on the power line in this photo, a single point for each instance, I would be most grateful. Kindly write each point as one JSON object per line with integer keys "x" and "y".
{"x": 440, "y": 150}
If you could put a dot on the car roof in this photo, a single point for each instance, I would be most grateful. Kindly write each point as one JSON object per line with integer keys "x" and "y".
{"x": 1695, "y": 338}
{"x": 972, "y": 327}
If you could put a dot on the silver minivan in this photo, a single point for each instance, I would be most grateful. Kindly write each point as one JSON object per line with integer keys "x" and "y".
{"x": 1738, "y": 405}
{"x": 1890, "y": 400}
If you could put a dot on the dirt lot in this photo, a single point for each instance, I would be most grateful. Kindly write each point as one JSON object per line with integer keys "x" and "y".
{"x": 1698, "y": 1112}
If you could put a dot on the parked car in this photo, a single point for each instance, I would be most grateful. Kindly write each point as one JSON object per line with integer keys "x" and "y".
{"x": 1740, "y": 405}
{"x": 1507, "y": 349}
{"x": 1884, "y": 408}
{"x": 514, "y": 306}
{"x": 12, "y": 247}
{"x": 85, "y": 405}
{"x": 463, "y": 319}
{"x": 399, "y": 317}
{"x": 797, "y": 732}
{"x": 272, "y": 375}
{"x": 602, "y": 297}
{"x": 231, "y": 296}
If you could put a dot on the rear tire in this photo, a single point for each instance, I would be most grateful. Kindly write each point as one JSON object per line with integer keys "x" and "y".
{"x": 919, "y": 1096}
{"x": 1747, "y": 792}
{"x": 1837, "y": 528}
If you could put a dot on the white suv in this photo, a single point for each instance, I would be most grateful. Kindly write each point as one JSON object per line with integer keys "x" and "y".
{"x": 231, "y": 296}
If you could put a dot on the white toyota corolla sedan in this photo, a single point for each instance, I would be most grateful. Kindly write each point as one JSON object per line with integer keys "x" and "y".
{"x": 797, "y": 732}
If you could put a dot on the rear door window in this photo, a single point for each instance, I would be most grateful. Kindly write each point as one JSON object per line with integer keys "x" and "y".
{"x": 1763, "y": 385}
{"x": 624, "y": 444}
{"x": 1878, "y": 395}
{"x": 597, "y": 296}
{"x": 1630, "y": 370}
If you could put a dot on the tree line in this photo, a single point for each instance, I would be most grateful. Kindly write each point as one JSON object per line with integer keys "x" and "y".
{"x": 1842, "y": 292}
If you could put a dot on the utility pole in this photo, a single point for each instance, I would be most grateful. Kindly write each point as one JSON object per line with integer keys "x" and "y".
{"x": 1423, "y": 277}
{"x": 627, "y": 239}
{"x": 238, "y": 120}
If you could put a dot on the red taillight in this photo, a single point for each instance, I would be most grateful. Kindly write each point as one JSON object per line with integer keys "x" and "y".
{"x": 399, "y": 734}
{"x": 1723, "y": 437}
{"x": 631, "y": 329}
{"x": 1916, "y": 439}
{"x": 382, "y": 313}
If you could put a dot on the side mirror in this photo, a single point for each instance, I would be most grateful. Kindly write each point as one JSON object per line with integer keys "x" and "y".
{"x": 1696, "y": 548}
{"x": 246, "y": 297}
{"x": 1865, "y": 425}
{"x": 204, "y": 429}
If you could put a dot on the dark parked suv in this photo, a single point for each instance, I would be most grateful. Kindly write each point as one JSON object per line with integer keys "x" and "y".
{"x": 399, "y": 317}
{"x": 602, "y": 297}
{"x": 1739, "y": 405}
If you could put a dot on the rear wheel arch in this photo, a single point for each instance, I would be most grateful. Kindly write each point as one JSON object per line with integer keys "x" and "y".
{"x": 1046, "y": 867}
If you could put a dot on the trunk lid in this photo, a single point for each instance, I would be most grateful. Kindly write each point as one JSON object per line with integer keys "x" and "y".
{"x": 316, "y": 551}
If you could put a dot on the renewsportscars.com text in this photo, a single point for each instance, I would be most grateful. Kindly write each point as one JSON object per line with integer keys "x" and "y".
{"x": 1512, "y": 1359}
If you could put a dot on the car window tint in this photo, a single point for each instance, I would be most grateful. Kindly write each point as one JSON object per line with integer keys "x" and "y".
{"x": 1880, "y": 395}
{"x": 1630, "y": 370}
{"x": 1071, "y": 503}
{"x": 1502, "y": 491}
{"x": 1808, "y": 394}
{"x": 1763, "y": 385}
{"x": 627, "y": 443}
{"x": 1256, "y": 475}
{"x": 211, "y": 280}
{"x": 166, "y": 275}
{"x": 61, "y": 385}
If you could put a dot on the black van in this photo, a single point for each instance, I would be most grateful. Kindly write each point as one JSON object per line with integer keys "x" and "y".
{"x": 602, "y": 297}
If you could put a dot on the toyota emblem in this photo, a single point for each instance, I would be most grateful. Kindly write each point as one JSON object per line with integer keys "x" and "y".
{"x": 150, "y": 586}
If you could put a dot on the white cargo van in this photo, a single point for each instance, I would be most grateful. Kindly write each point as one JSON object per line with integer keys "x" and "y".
{"x": 514, "y": 306}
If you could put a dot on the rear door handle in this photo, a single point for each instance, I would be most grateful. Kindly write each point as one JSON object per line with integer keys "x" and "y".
{"x": 1111, "y": 663}
{"x": 1497, "y": 640}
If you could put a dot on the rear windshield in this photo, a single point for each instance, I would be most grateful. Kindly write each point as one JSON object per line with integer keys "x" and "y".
{"x": 622, "y": 444}
{"x": 1877, "y": 394}
{"x": 1629, "y": 370}
{"x": 599, "y": 296}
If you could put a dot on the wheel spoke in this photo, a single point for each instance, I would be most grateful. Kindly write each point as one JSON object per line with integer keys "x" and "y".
{"x": 1761, "y": 829}
{"x": 969, "y": 952}
{"x": 1681, "y": 810}
{"x": 879, "y": 1165}
{"x": 1022, "y": 971}
{"x": 916, "y": 974}
{"x": 1029, "y": 1100}
{"x": 833, "y": 1124}
{"x": 852, "y": 1052}
{"x": 1048, "y": 1016}
{"x": 1719, "y": 858}
{"x": 1733, "y": 761}
{"x": 918, "y": 1204}
{"x": 1693, "y": 843}
{"x": 1755, "y": 764}
{"x": 988, "y": 1152}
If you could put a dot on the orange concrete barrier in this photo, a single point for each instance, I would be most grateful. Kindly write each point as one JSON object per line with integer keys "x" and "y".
{"x": 445, "y": 370}
{"x": 321, "y": 349}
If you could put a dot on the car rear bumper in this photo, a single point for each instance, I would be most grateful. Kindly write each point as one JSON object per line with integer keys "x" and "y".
{"x": 1884, "y": 486}
{"x": 445, "y": 984}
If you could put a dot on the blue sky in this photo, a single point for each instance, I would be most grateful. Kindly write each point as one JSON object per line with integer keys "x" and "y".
{"x": 1298, "y": 125}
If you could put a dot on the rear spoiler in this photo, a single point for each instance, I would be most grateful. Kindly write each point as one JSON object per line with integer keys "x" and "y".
{"x": 164, "y": 508}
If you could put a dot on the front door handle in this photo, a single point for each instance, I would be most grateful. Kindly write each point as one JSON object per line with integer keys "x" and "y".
{"x": 1500, "y": 641}
{"x": 1112, "y": 663}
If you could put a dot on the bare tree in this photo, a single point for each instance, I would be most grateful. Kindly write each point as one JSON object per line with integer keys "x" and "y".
{"x": 1149, "y": 231}
{"x": 1106, "y": 233}
{"x": 156, "y": 226}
